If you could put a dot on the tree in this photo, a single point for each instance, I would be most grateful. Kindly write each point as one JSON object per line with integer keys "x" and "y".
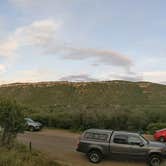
{"x": 11, "y": 121}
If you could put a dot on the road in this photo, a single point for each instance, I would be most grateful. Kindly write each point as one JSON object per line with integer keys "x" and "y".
{"x": 60, "y": 145}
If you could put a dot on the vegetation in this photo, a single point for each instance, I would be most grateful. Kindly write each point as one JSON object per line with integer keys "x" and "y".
{"x": 11, "y": 122}
{"x": 12, "y": 153}
{"x": 19, "y": 155}
{"x": 114, "y": 104}
{"x": 152, "y": 127}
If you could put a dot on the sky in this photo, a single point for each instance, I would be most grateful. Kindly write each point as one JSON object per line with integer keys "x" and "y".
{"x": 82, "y": 40}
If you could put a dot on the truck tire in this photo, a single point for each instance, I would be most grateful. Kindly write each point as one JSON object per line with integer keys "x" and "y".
{"x": 95, "y": 156}
{"x": 154, "y": 160}
{"x": 31, "y": 128}
{"x": 161, "y": 139}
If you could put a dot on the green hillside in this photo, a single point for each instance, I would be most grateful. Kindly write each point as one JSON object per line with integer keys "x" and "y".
{"x": 66, "y": 94}
{"x": 59, "y": 104}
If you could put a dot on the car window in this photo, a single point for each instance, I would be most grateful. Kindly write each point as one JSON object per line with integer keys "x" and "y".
{"x": 96, "y": 136}
{"x": 120, "y": 139}
{"x": 29, "y": 120}
{"x": 134, "y": 140}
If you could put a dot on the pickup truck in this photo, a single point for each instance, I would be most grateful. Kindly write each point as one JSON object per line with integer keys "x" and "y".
{"x": 97, "y": 143}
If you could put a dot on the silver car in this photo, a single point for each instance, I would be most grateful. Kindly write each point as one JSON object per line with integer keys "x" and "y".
{"x": 32, "y": 125}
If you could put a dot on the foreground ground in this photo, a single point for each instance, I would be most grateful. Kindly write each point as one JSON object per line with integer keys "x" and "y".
{"x": 19, "y": 155}
{"x": 60, "y": 145}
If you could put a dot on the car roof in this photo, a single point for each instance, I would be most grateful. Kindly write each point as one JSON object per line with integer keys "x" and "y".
{"x": 126, "y": 132}
{"x": 99, "y": 130}
{"x": 110, "y": 131}
{"x": 27, "y": 118}
{"x": 161, "y": 130}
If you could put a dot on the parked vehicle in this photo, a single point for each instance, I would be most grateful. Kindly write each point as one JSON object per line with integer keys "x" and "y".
{"x": 97, "y": 143}
{"x": 160, "y": 135}
{"x": 32, "y": 125}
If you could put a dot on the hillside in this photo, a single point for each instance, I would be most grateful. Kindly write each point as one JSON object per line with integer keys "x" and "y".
{"x": 50, "y": 98}
{"x": 65, "y": 94}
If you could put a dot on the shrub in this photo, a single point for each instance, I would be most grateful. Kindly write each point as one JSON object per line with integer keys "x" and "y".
{"x": 152, "y": 127}
{"x": 11, "y": 120}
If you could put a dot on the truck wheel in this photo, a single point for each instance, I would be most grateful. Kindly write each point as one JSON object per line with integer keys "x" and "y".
{"x": 31, "y": 128}
{"x": 161, "y": 139}
{"x": 154, "y": 160}
{"x": 95, "y": 156}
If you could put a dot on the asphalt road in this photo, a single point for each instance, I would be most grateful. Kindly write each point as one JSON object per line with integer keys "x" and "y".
{"x": 60, "y": 145}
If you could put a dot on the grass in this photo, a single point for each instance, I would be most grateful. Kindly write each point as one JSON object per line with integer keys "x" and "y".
{"x": 21, "y": 156}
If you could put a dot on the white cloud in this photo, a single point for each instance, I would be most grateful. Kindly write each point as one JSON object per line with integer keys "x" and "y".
{"x": 34, "y": 75}
{"x": 79, "y": 78}
{"x": 128, "y": 77}
{"x": 121, "y": 75}
{"x": 43, "y": 34}
{"x": 156, "y": 76}
{"x": 105, "y": 57}
{"x": 8, "y": 47}
{"x": 2, "y": 68}
{"x": 38, "y": 33}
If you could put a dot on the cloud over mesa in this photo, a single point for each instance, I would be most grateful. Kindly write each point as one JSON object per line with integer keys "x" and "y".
{"x": 78, "y": 78}
{"x": 155, "y": 76}
{"x": 106, "y": 57}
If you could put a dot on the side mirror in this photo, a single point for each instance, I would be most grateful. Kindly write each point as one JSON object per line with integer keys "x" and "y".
{"x": 141, "y": 144}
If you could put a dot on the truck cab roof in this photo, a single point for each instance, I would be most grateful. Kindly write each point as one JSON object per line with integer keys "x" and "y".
{"x": 110, "y": 131}
{"x": 99, "y": 130}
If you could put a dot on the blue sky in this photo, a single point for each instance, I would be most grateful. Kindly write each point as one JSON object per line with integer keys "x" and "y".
{"x": 82, "y": 40}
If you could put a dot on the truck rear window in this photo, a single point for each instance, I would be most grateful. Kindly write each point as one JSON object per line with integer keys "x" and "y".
{"x": 96, "y": 136}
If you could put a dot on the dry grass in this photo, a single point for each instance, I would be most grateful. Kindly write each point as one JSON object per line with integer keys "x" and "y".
{"x": 21, "y": 156}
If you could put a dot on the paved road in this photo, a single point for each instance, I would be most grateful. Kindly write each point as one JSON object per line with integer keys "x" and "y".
{"x": 60, "y": 145}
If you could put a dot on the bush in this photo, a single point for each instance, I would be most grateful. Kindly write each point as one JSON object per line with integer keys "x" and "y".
{"x": 152, "y": 127}
{"x": 11, "y": 120}
{"x": 116, "y": 117}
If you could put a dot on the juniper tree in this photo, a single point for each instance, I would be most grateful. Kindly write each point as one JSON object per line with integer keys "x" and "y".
{"x": 11, "y": 121}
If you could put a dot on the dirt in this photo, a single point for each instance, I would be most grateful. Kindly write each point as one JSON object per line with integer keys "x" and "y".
{"x": 60, "y": 145}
